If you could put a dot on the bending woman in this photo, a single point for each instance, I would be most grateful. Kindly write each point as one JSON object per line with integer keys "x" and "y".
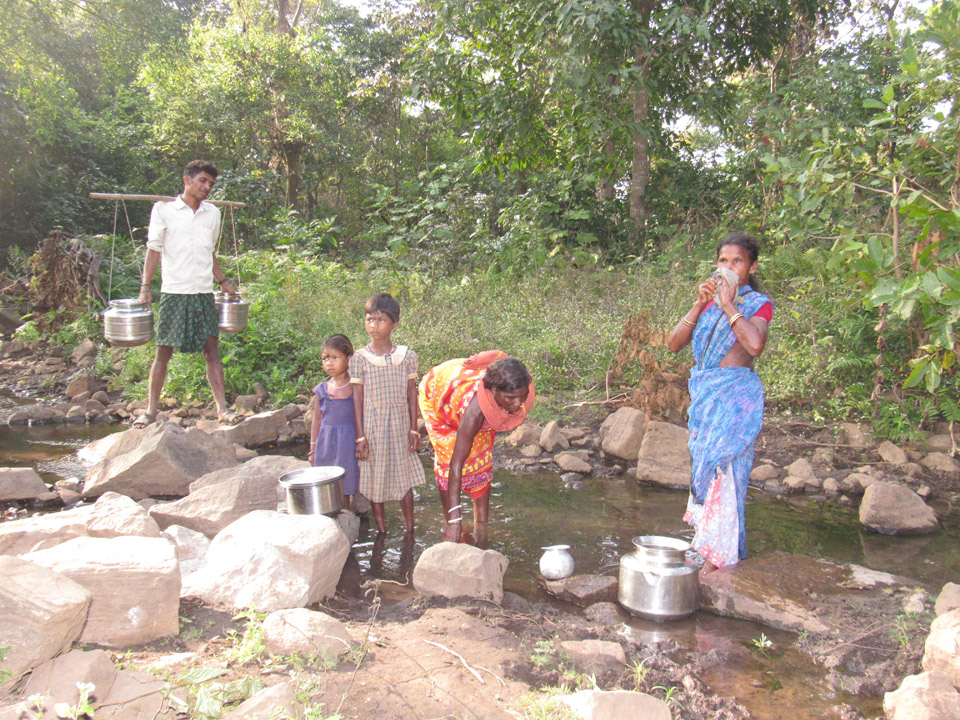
{"x": 464, "y": 403}
{"x": 726, "y": 399}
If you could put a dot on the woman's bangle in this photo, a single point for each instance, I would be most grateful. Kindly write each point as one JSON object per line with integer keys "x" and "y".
{"x": 455, "y": 508}
{"x": 688, "y": 323}
{"x": 414, "y": 432}
{"x": 144, "y": 284}
{"x": 454, "y": 520}
{"x": 735, "y": 318}
{"x": 361, "y": 438}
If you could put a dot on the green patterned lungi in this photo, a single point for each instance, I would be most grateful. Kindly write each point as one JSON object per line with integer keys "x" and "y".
{"x": 186, "y": 321}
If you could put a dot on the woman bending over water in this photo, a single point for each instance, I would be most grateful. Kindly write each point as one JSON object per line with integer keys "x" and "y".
{"x": 728, "y": 326}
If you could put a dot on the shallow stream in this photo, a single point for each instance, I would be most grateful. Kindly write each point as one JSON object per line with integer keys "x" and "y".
{"x": 599, "y": 521}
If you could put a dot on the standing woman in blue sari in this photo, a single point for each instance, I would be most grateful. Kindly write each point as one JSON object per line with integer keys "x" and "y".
{"x": 728, "y": 327}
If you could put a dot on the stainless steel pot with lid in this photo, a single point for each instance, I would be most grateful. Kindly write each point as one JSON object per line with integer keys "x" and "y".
{"x": 233, "y": 312}
{"x": 128, "y": 323}
{"x": 314, "y": 491}
{"x": 656, "y": 580}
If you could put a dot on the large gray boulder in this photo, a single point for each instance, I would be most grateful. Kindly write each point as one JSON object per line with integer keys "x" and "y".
{"x": 527, "y": 434}
{"x": 134, "y": 581}
{"x": 41, "y": 614}
{"x": 941, "y": 653}
{"x": 306, "y": 632}
{"x": 622, "y": 432}
{"x": 164, "y": 462}
{"x": 615, "y": 705}
{"x": 114, "y": 515}
{"x": 273, "y": 561}
{"x": 893, "y": 509}
{"x": 927, "y": 696}
{"x": 665, "y": 456}
{"x": 20, "y": 484}
{"x": 256, "y": 430}
{"x": 220, "y": 497}
{"x": 454, "y": 570}
{"x": 892, "y": 454}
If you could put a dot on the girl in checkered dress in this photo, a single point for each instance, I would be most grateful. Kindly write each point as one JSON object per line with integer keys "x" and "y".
{"x": 385, "y": 407}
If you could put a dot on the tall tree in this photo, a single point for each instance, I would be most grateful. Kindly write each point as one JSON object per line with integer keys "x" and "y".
{"x": 553, "y": 81}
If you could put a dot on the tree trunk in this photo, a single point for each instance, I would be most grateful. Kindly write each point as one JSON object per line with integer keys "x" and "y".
{"x": 291, "y": 165}
{"x": 640, "y": 173}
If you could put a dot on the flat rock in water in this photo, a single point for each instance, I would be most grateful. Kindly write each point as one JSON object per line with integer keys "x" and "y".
{"x": 20, "y": 484}
{"x": 794, "y": 592}
{"x": 605, "y": 613}
{"x": 664, "y": 456}
{"x": 583, "y": 590}
{"x": 892, "y": 509}
{"x": 568, "y": 462}
{"x": 454, "y": 570}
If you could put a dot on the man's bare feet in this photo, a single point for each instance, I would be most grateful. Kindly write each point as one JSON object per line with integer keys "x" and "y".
{"x": 708, "y": 567}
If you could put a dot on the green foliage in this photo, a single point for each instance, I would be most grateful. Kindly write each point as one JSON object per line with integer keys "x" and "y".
{"x": 248, "y": 647}
{"x": 206, "y": 699}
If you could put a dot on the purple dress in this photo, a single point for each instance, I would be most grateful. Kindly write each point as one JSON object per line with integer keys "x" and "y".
{"x": 337, "y": 437}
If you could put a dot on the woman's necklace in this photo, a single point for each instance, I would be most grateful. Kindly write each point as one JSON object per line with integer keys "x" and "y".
{"x": 331, "y": 386}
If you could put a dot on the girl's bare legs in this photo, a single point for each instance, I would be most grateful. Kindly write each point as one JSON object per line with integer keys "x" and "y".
{"x": 708, "y": 567}
{"x": 346, "y": 501}
{"x": 379, "y": 518}
{"x": 406, "y": 507}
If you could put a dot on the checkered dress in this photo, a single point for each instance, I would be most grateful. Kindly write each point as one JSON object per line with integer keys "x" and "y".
{"x": 391, "y": 470}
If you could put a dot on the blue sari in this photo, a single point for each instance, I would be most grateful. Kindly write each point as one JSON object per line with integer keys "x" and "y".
{"x": 726, "y": 416}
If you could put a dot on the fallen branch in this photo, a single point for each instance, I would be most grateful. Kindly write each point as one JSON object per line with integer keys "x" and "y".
{"x": 460, "y": 658}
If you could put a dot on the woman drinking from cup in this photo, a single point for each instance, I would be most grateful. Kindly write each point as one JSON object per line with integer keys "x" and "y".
{"x": 728, "y": 327}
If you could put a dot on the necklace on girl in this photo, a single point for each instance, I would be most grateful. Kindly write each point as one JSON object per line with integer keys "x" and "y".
{"x": 331, "y": 386}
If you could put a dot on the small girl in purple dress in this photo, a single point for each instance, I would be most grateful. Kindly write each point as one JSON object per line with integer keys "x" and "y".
{"x": 333, "y": 432}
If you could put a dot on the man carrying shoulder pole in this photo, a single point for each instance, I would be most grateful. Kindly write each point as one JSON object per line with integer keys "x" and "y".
{"x": 183, "y": 239}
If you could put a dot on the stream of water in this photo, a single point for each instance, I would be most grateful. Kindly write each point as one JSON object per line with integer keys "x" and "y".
{"x": 599, "y": 522}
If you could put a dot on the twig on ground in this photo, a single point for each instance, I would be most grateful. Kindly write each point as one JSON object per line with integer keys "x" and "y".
{"x": 609, "y": 400}
{"x": 366, "y": 647}
{"x": 457, "y": 655}
{"x": 499, "y": 679}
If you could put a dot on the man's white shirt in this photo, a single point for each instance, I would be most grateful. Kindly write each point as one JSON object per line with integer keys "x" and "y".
{"x": 186, "y": 241}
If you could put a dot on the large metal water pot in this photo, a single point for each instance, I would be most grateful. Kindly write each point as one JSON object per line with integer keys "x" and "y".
{"x": 128, "y": 323}
{"x": 314, "y": 491}
{"x": 656, "y": 582}
{"x": 233, "y": 312}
